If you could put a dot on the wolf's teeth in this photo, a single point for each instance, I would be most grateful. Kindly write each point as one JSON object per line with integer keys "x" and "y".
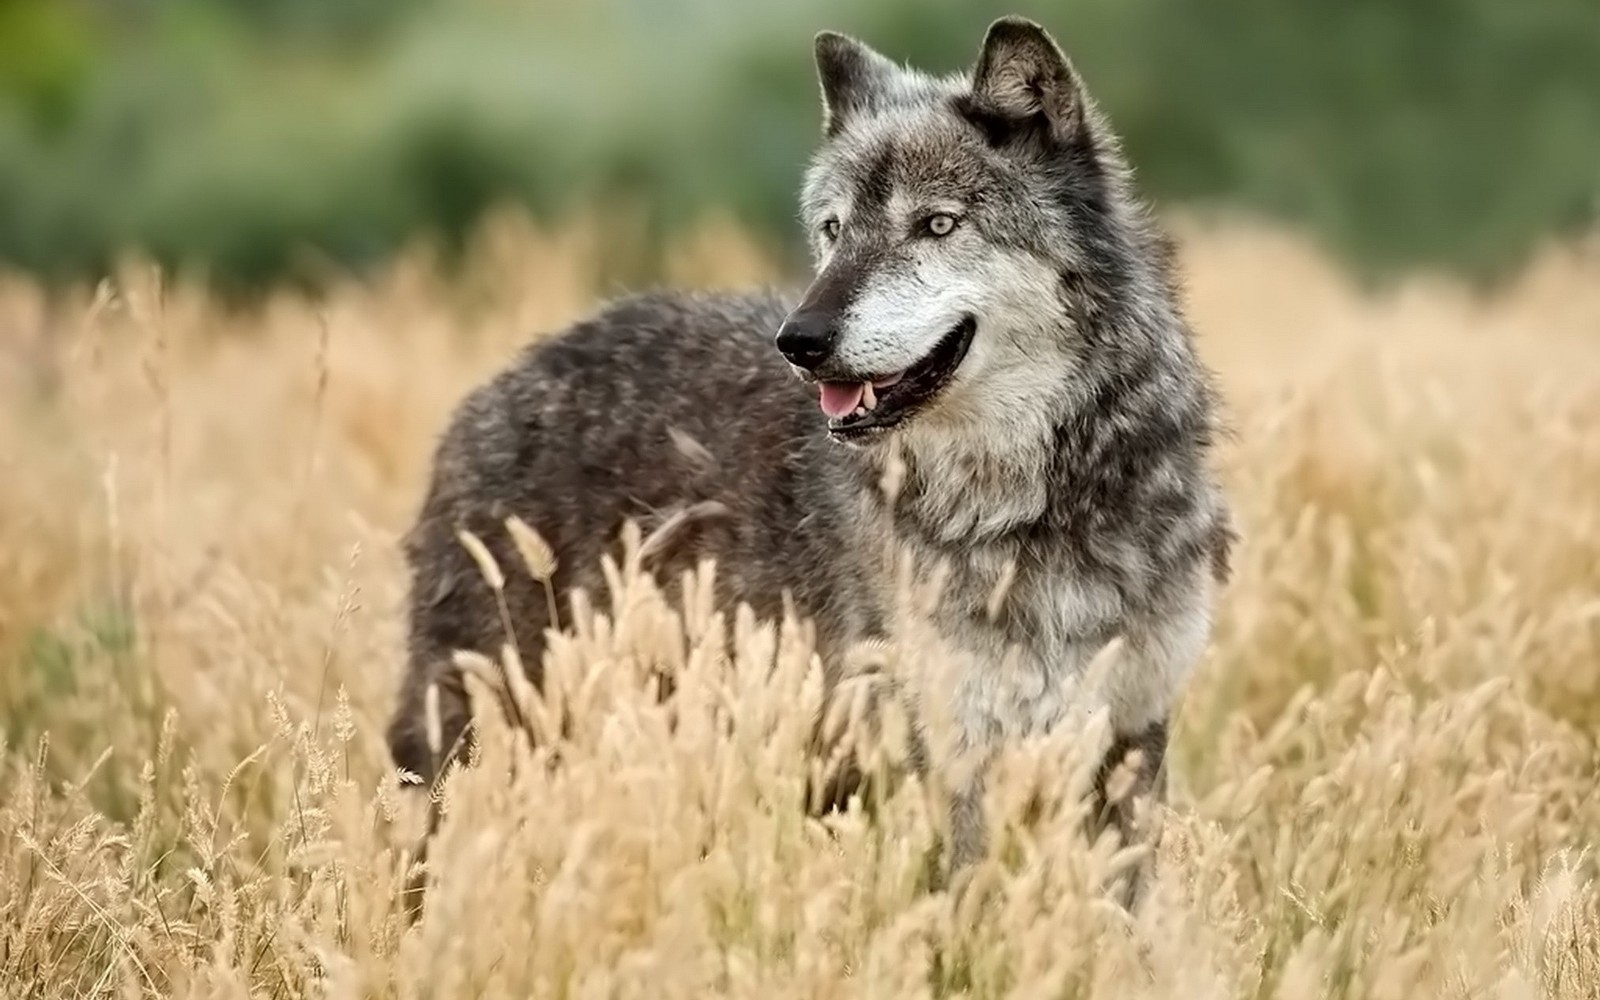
{"x": 869, "y": 398}
{"x": 861, "y": 411}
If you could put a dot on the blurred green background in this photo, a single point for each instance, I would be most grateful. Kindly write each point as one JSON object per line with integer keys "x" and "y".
{"x": 245, "y": 138}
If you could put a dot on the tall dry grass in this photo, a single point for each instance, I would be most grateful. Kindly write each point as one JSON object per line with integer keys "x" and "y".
{"x": 1384, "y": 773}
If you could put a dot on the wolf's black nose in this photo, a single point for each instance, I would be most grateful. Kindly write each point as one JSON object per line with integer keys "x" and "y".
{"x": 805, "y": 339}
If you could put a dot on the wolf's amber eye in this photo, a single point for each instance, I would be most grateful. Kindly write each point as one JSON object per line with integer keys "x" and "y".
{"x": 939, "y": 224}
{"x": 830, "y": 230}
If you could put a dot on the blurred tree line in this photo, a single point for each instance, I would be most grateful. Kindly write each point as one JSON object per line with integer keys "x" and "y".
{"x": 231, "y": 136}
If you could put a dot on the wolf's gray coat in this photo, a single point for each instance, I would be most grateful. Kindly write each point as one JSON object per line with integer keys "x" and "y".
{"x": 999, "y": 313}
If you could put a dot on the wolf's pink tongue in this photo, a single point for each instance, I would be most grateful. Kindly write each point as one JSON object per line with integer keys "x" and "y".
{"x": 840, "y": 399}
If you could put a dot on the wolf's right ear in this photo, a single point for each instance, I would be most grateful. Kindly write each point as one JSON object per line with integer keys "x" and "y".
{"x": 854, "y": 77}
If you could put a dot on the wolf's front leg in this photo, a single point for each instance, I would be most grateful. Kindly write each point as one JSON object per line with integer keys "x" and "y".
{"x": 1129, "y": 789}
{"x": 1160, "y": 649}
{"x": 969, "y": 836}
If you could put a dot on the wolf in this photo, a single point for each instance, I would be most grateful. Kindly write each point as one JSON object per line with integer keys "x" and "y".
{"x": 994, "y": 319}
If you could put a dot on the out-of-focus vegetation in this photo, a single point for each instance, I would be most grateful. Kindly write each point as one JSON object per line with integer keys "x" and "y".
{"x": 1383, "y": 774}
{"x": 259, "y": 139}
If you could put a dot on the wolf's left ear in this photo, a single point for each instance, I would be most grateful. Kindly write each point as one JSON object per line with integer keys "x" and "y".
{"x": 854, "y": 77}
{"x": 1023, "y": 75}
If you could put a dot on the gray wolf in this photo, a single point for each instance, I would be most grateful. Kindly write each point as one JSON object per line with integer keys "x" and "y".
{"x": 995, "y": 314}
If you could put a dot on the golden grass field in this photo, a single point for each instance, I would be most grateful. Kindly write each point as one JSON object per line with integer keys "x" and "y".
{"x": 1384, "y": 775}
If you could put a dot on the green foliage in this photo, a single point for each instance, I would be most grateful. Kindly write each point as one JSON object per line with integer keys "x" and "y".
{"x": 260, "y": 140}
{"x": 43, "y": 61}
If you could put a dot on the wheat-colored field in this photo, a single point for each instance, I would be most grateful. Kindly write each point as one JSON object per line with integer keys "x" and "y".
{"x": 1384, "y": 773}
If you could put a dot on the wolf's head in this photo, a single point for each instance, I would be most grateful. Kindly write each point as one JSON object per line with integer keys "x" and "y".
{"x": 963, "y": 228}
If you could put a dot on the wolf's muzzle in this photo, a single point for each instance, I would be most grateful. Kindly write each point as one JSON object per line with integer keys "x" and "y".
{"x": 806, "y": 339}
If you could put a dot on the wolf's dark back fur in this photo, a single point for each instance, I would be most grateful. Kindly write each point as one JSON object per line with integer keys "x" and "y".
{"x": 607, "y": 422}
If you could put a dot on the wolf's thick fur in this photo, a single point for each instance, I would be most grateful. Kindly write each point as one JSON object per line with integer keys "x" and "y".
{"x": 998, "y": 313}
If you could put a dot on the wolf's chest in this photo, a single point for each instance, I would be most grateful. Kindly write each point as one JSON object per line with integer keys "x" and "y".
{"x": 1020, "y": 671}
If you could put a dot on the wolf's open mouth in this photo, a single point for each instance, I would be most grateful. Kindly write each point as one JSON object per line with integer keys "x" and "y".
{"x": 878, "y": 403}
